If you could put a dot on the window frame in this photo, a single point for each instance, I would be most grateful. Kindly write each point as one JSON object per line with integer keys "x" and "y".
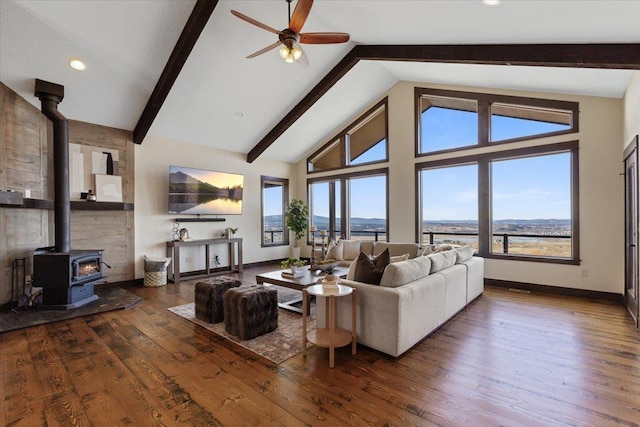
{"x": 345, "y": 214}
{"x": 284, "y": 182}
{"x": 484, "y": 102}
{"x": 341, "y": 138}
{"x": 485, "y": 233}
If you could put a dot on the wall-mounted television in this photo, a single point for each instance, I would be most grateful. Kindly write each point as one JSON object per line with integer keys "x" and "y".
{"x": 202, "y": 192}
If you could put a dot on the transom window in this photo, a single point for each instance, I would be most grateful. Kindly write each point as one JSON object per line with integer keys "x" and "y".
{"x": 363, "y": 142}
{"x": 451, "y": 120}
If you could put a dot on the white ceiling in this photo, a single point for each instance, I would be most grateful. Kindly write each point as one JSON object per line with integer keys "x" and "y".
{"x": 126, "y": 44}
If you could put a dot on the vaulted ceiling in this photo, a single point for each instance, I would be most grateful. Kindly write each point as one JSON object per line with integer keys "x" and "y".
{"x": 222, "y": 100}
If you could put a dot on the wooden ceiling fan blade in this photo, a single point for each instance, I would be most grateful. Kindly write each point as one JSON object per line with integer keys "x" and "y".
{"x": 324, "y": 38}
{"x": 303, "y": 61}
{"x": 254, "y": 22}
{"x": 300, "y": 14}
{"x": 266, "y": 49}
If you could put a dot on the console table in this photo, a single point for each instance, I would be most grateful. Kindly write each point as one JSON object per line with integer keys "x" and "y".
{"x": 173, "y": 252}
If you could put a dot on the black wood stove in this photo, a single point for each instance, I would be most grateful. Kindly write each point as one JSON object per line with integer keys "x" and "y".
{"x": 66, "y": 276}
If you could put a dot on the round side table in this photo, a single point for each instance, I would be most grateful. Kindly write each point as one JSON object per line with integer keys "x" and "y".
{"x": 330, "y": 336}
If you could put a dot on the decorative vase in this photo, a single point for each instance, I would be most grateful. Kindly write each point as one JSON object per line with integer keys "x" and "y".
{"x": 295, "y": 252}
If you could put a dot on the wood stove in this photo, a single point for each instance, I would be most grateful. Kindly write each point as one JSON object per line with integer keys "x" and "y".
{"x": 67, "y": 278}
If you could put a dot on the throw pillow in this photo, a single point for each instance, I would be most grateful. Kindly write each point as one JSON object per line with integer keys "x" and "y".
{"x": 463, "y": 254}
{"x": 371, "y": 270}
{"x": 351, "y": 248}
{"x": 335, "y": 250}
{"x": 399, "y": 258}
{"x": 154, "y": 265}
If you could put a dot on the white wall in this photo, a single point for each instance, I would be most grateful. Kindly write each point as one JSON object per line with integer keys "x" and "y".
{"x": 153, "y": 225}
{"x": 632, "y": 109}
{"x": 601, "y": 190}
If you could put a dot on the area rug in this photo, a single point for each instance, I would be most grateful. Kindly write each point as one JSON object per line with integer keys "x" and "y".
{"x": 277, "y": 346}
{"x": 109, "y": 299}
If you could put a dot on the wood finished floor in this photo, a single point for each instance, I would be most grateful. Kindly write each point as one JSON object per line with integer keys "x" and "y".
{"x": 510, "y": 359}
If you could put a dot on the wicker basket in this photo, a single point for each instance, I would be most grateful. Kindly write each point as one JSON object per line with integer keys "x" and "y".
{"x": 154, "y": 279}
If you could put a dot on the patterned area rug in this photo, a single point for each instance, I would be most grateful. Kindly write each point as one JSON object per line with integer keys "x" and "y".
{"x": 277, "y": 346}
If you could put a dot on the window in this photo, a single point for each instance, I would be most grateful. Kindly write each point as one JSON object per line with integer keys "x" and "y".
{"x": 324, "y": 207}
{"x": 451, "y": 120}
{"x": 363, "y": 142}
{"x": 358, "y": 213}
{"x": 525, "y": 201}
{"x": 517, "y": 121}
{"x": 531, "y": 211}
{"x": 450, "y": 205}
{"x": 447, "y": 123}
{"x": 275, "y": 198}
{"x": 368, "y": 208}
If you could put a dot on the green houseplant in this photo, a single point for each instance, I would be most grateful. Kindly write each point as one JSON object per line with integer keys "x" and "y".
{"x": 296, "y": 219}
{"x": 292, "y": 264}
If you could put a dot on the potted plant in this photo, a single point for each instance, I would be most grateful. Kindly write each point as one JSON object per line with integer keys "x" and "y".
{"x": 296, "y": 219}
{"x": 292, "y": 264}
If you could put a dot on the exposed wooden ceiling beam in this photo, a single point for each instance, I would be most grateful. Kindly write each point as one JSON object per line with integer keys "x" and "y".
{"x": 315, "y": 94}
{"x": 190, "y": 33}
{"x": 607, "y": 55}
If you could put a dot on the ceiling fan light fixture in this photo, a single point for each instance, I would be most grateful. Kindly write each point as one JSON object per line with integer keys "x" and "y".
{"x": 77, "y": 64}
{"x": 289, "y": 59}
{"x": 296, "y": 53}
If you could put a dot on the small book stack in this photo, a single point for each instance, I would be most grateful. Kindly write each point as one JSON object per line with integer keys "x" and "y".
{"x": 289, "y": 275}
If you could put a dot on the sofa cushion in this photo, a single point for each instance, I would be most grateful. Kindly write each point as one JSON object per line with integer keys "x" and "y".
{"x": 442, "y": 260}
{"x": 351, "y": 248}
{"x": 463, "y": 254}
{"x": 335, "y": 250}
{"x": 401, "y": 273}
{"x": 437, "y": 248}
{"x": 370, "y": 270}
{"x": 396, "y": 248}
{"x": 399, "y": 258}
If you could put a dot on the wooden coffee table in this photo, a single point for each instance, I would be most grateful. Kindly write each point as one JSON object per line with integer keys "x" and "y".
{"x": 299, "y": 284}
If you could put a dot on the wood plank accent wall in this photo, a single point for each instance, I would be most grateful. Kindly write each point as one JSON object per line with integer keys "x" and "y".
{"x": 26, "y": 162}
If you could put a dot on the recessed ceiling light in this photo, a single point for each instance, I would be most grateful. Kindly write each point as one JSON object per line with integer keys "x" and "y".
{"x": 238, "y": 115}
{"x": 76, "y": 64}
{"x": 491, "y": 2}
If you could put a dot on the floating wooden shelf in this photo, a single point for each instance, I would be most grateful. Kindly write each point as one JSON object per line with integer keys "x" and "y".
{"x": 200, "y": 219}
{"x": 76, "y": 205}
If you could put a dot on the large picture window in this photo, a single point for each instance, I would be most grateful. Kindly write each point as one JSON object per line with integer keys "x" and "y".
{"x": 351, "y": 206}
{"x": 525, "y": 202}
{"x": 275, "y": 198}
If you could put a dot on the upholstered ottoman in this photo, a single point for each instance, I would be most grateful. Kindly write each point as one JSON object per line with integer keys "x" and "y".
{"x": 250, "y": 311}
{"x": 209, "y": 304}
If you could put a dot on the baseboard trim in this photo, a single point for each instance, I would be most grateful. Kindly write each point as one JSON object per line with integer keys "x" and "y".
{"x": 557, "y": 290}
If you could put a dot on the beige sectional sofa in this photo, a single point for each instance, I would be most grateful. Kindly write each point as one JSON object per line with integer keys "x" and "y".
{"x": 414, "y": 297}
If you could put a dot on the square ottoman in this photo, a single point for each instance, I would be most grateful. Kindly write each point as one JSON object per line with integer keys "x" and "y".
{"x": 250, "y": 311}
{"x": 209, "y": 304}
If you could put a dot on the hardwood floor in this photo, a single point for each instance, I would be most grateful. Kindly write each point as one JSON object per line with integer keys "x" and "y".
{"x": 510, "y": 359}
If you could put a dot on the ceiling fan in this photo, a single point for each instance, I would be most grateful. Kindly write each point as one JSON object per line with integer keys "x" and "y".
{"x": 290, "y": 38}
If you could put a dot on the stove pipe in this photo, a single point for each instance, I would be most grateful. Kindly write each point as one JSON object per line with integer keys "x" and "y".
{"x": 50, "y": 95}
